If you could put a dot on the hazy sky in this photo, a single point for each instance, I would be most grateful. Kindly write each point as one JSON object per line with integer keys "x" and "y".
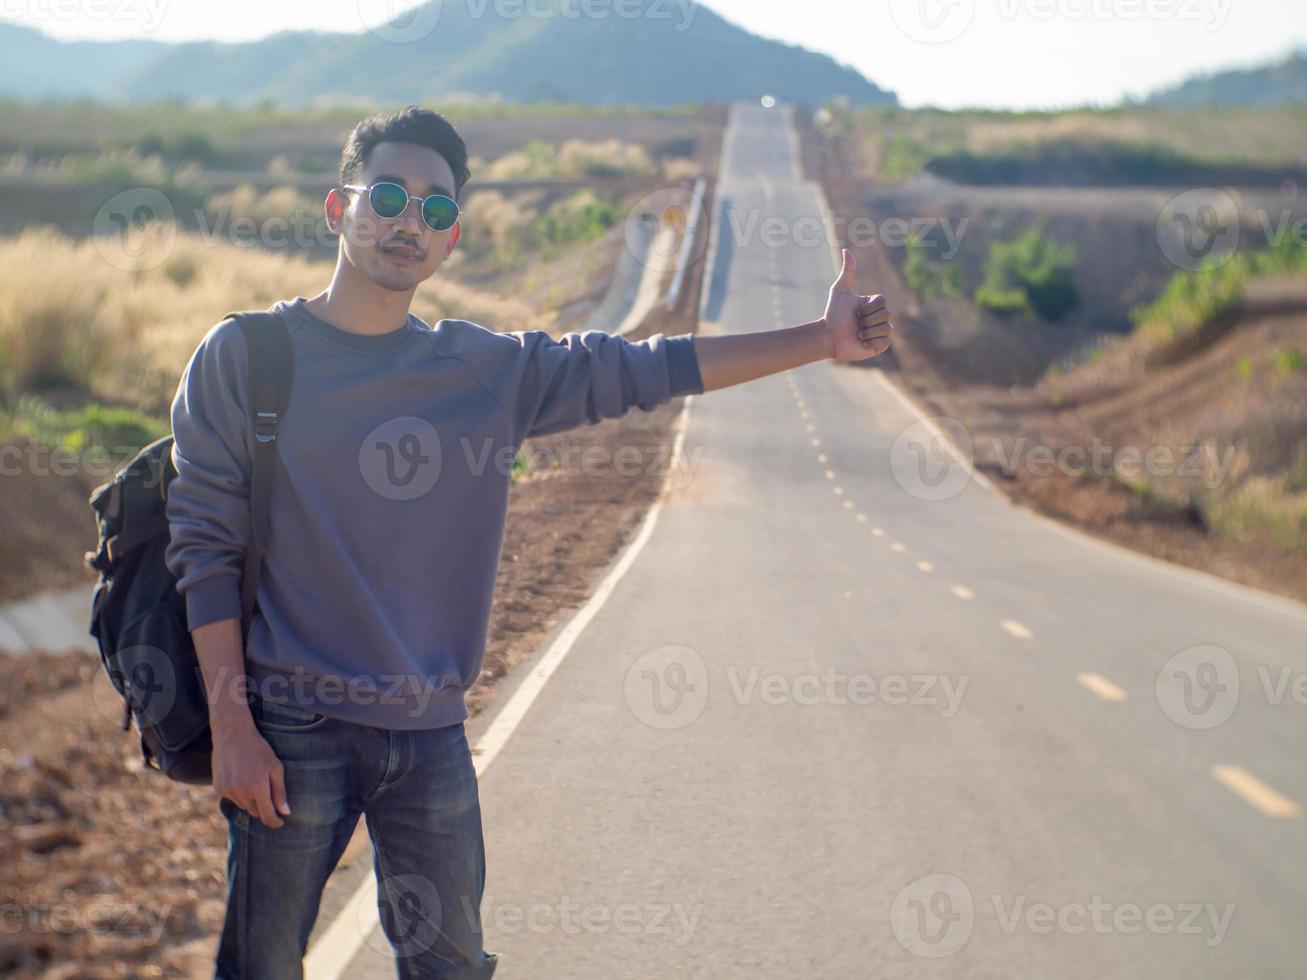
{"x": 1007, "y": 53}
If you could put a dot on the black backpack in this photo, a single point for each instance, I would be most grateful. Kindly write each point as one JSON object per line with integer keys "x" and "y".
{"x": 138, "y": 617}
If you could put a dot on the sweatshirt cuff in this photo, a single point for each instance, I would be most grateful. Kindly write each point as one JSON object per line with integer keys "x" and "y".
{"x": 683, "y": 366}
{"x": 212, "y": 600}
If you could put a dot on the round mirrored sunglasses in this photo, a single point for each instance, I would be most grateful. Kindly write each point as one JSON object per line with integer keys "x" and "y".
{"x": 388, "y": 200}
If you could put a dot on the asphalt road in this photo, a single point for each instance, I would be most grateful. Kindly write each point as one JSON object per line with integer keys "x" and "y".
{"x": 850, "y": 714}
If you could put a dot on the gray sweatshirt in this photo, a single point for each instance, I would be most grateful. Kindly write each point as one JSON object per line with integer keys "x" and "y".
{"x": 389, "y": 499}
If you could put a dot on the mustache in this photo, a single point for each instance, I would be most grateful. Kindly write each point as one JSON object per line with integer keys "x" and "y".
{"x": 405, "y": 244}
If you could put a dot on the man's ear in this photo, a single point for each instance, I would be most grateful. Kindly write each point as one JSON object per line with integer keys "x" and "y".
{"x": 334, "y": 206}
{"x": 453, "y": 239}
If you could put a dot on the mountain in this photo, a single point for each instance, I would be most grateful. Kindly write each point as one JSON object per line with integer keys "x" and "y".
{"x": 1274, "y": 84}
{"x": 671, "y": 53}
{"x": 33, "y": 65}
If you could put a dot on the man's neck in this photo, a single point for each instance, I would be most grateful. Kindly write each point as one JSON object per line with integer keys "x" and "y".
{"x": 363, "y": 308}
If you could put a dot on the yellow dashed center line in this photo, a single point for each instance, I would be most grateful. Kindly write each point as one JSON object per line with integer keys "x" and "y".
{"x": 1239, "y": 781}
{"x": 1255, "y": 792}
{"x": 1016, "y": 629}
{"x": 1101, "y": 686}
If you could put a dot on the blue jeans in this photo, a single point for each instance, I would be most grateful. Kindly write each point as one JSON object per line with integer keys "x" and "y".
{"x": 419, "y": 792}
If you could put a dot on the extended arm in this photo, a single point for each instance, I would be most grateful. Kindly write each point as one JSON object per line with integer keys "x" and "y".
{"x": 853, "y": 328}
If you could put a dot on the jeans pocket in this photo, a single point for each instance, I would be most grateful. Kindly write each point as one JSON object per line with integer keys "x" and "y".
{"x": 284, "y": 717}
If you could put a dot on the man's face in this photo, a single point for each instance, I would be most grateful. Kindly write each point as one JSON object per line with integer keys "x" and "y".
{"x": 396, "y": 253}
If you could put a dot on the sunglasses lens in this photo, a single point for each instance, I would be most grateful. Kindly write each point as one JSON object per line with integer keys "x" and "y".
{"x": 388, "y": 200}
{"x": 439, "y": 212}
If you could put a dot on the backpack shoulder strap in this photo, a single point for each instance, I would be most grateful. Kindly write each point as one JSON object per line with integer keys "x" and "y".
{"x": 271, "y": 368}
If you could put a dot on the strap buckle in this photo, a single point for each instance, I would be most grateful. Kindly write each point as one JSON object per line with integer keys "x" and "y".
{"x": 265, "y": 426}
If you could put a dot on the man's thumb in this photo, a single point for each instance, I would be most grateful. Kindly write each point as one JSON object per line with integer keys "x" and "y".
{"x": 847, "y": 272}
{"x": 279, "y": 794}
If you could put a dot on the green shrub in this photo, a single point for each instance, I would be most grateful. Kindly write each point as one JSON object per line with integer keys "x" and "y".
{"x": 1141, "y": 485}
{"x": 1263, "y": 508}
{"x": 1032, "y": 274}
{"x": 926, "y": 277}
{"x": 902, "y": 157}
{"x": 1081, "y": 159}
{"x": 1286, "y": 254}
{"x": 187, "y": 144}
{"x": 1193, "y": 298}
{"x": 94, "y": 426}
{"x": 522, "y": 465}
{"x": 1286, "y": 360}
{"x": 581, "y": 217}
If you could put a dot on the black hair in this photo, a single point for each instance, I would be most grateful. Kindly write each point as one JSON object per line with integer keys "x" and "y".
{"x": 412, "y": 124}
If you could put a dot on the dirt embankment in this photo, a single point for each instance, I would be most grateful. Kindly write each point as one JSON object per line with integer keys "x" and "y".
{"x": 1224, "y": 413}
{"x": 45, "y": 521}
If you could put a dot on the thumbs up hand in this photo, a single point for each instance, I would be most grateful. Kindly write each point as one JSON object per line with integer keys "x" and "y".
{"x": 857, "y": 327}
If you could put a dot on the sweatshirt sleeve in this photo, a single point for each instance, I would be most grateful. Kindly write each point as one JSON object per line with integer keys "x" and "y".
{"x": 208, "y": 506}
{"x": 587, "y": 377}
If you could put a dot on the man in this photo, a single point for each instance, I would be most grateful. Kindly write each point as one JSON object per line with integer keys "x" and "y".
{"x": 387, "y": 516}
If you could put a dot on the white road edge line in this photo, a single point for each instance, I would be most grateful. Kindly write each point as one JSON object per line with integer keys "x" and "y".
{"x": 938, "y": 433}
{"x": 796, "y": 153}
{"x": 1193, "y": 576}
{"x": 335, "y": 949}
{"x": 508, "y": 718}
{"x": 1267, "y": 600}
